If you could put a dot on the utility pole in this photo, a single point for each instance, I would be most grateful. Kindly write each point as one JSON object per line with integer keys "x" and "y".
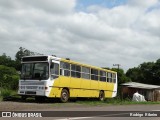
{"x": 118, "y": 68}
{"x": 117, "y": 65}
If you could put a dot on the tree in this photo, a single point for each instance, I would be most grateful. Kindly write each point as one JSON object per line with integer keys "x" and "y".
{"x": 25, "y": 52}
{"x": 147, "y": 72}
{"x": 7, "y": 61}
{"x": 22, "y": 52}
{"x": 156, "y": 73}
{"x": 8, "y": 77}
{"x": 122, "y": 78}
{"x": 134, "y": 74}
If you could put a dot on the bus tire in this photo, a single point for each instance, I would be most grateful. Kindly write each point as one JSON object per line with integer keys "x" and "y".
{"x": 64, "y": 96}
{"x": 101, "y": 96}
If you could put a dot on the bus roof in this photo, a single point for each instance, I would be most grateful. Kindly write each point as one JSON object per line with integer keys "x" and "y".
{"x": 67, "y": 60}
{"x": 85, "y": 65}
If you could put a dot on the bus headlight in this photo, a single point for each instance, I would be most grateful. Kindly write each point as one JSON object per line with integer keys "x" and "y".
{"x": 41, "y": 88}
{"x": 22, "y": 87}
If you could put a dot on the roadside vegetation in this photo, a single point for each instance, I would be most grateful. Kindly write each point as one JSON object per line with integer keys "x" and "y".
{"x": 113, "y": 101}
{"x": 8, "y": 81}
{"x": 147, "y": 72}
{"x": 7, "y": 93}
{"x": 10, "y": 72}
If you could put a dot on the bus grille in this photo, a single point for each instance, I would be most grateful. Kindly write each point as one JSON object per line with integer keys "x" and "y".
{"x": 32, "y": 83}
{"x": 31, "y": 87}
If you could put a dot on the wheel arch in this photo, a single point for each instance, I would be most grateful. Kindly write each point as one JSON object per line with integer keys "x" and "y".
{"x": 101, "y": 92}
{"x": 67, "y": 90}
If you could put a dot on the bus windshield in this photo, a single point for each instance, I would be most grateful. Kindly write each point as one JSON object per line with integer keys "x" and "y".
{"x": 35, "y": 71}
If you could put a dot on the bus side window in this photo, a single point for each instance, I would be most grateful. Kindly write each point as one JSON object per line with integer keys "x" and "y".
{"x": 85, "y": 72}
{"x": 114, "y": 78}
{"x": 94, "y": 74}
{"x": 76, "y": 71}
{"x": 54, "y": 70}
{"x": 109, "y": 77}
{"x": 103, "y": 76}
{"x": 73, "y": 69}
{"x": 65, "y": 69}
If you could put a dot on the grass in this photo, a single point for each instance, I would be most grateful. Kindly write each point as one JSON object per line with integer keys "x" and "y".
{"x": 1, "y": 98}
{"x": 114, "y": 101}
{"x": 4, "y": 93}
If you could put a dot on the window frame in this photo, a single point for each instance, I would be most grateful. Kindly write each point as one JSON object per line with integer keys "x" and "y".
{"x": 54, "y": 74}
{"x": 114, "y": 77}
{"x": 75, "y": 71}
{"x": 102, "y": 76}
{"x": 65, "y": 71}
{"x": 94, "y": 74}
{"x": 85, "y": 73}
{"x": 109, "y": 77}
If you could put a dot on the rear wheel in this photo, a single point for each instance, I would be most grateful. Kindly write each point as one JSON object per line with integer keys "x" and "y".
{"x": 101, "y": 96}
{"x": 64, "y": 96}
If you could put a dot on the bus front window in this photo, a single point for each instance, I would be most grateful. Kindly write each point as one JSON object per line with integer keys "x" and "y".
{"x": 35, "y": 71}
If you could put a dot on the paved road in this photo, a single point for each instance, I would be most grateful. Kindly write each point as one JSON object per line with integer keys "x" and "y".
{"x": 123, "y": 110}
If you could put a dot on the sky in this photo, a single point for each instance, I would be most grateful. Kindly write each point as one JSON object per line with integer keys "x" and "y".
{"x": 95, "y": 32}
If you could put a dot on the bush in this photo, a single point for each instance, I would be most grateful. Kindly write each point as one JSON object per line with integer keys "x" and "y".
{"x": 5, "y": 93}
{"x": 8, "y": 78}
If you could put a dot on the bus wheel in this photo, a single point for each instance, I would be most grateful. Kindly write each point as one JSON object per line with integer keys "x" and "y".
{"x": 101, "y": 96}
{"x": 64, "y": 96}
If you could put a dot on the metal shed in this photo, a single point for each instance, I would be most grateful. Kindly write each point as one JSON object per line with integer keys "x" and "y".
{"x": 150, "y": 92}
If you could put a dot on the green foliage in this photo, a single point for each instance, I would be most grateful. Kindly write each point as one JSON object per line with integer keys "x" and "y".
{"x": 8, "y": 68}
{"x": 147, "y": 72}
{"x": 5, "y": 93}
{"x": 114, "y": 101}
{"x": 7, "y": 61}
{"x": 8, "y": 77}
{"x": 24, "y": 52}
{"x": 122, "y": 78}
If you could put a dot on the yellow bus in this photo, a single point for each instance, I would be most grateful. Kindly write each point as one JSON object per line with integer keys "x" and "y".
{"x": 53, "y": 77}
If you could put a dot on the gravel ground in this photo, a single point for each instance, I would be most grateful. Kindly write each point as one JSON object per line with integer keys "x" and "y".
{"x": 16, "y": 106}
{"x": 12, "y": 106}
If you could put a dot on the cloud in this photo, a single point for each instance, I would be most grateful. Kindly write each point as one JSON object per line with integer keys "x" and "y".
{"x": 56, "y": 6}
{"x": 142, "y": 3}
{"x": 127, "y": 34}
